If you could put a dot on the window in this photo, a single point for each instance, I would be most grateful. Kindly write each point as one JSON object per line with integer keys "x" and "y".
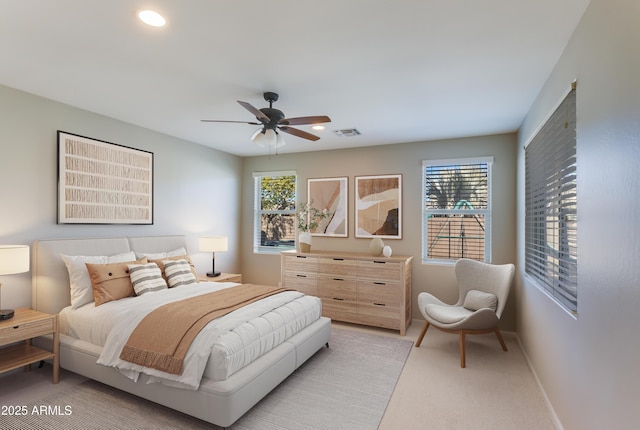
{"x": 274, "y": 211}
{"x": 551, "y": 206}
{"x": 456, "y": 210}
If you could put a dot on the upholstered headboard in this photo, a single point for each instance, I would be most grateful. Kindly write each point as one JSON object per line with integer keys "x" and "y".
{"x": 50, "y": 286}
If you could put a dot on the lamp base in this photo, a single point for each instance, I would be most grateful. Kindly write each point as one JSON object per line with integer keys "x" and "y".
{"x": 6, "y": 314}
{"x": 213, "y": 274}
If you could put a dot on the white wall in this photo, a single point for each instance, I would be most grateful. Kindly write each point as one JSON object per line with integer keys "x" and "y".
{"x": 405, "y": 159}
{"x": 589, "y": 366}
{"x": 196, "y": 189}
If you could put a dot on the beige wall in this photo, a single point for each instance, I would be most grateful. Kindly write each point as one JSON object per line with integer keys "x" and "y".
{"x": 588, "y": 365}
{"x": 196, "y": 189}
{"x": 405, "y": 159}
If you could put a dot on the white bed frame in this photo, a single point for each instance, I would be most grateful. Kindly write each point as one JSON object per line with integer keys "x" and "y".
{"x": 217, "y": 402}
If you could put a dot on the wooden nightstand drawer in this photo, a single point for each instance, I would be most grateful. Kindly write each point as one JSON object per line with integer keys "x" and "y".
{"x": 26, "y": 330}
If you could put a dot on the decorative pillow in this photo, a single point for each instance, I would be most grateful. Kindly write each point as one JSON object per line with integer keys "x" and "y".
{"x": 178, "y": 272}
{"x": 475, "y": 300}
{"x": 111, "y": 281}
{"x": 161, "y": 263}
{"x": 146, "y": 278}
{"x": 161, "y": 255}
{"x": 79, "y": 281}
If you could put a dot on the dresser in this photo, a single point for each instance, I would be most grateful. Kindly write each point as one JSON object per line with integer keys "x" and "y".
{"x": 356, "y": 288}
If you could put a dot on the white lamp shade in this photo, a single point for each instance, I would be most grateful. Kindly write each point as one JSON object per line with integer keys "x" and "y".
{"x": 14, "y": 259}
{"x": 213, "y": 244}
{"x": 267, "y": 137}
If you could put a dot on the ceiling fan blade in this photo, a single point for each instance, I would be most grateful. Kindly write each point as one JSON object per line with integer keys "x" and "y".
{"x": 222, "y": 120}
{"x": 299, "y": 133}
{"x": 306, "y": 120}
{"x": 257, "y": 112}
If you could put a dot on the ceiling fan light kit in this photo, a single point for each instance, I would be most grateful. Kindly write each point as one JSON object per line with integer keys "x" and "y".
{"x": 268, "y": 137}
{"x": 273, "y": 121}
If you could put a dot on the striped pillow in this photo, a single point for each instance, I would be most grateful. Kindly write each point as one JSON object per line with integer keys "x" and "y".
{"x": 146, "y": 278}
{"x": 178, "y": 272}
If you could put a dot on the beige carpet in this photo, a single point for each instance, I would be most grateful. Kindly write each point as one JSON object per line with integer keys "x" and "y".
{"x": 346, "y": 386}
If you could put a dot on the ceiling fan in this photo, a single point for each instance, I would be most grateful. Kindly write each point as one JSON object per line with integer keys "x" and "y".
{"x": 273, "y": 120}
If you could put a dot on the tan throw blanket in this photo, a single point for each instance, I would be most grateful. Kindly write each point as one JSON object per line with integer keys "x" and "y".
{"x": 162, "y": 338}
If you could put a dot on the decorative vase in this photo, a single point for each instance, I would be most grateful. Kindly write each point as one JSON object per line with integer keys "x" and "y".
{"x": 305, "y": 241}
{"x": 386, "y": 251}
{"x": 376, "y": 246}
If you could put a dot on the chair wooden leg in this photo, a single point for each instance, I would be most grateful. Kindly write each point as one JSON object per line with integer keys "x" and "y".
{"x": 500, "y": 339}
{"x": 422, "y": 333}
{"x": 463, "y": 363}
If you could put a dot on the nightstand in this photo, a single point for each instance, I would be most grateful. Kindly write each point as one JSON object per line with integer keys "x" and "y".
{"x": 224, "y": 277}
{"x": 25, "y": 325}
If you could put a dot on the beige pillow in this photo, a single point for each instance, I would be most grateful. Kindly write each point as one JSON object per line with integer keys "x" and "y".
{"x": 160, "y": 264}
{"x": 111, "y": 281}
{"x": 475, "y": 300}
{"x": 80, "y": 283}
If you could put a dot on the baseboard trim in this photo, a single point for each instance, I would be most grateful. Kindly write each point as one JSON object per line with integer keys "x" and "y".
{"x": 554, "y": 417}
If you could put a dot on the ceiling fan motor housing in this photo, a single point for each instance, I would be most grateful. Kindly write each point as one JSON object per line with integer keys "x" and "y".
{"x": 275, "y": 116}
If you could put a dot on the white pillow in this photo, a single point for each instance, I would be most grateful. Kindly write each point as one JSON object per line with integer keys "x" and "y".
{"x": 79, "y": 281}
{"x": 475, "y": 300}
{"x": 178, "y": 272}
{"x": 161, "y": 255}
{"x": 146, "y": 278}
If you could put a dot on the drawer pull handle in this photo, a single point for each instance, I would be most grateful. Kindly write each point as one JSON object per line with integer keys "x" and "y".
{"x": 338, "y": 298}
{"x": 379, "y": 304}
{"x": 379, "y": 262}
{"x": 338, "y": 279}
{"x": 16, "y": 326}
{"x": 300, "y": 256}
{"x": 338, "y": 259}
{"x": 380, "y": 283}
{"x": 301, "y": 276}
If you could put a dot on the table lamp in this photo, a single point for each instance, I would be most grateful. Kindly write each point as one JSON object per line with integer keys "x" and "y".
{"x": 13, "y": 259}
{"x": 213, "y": 244}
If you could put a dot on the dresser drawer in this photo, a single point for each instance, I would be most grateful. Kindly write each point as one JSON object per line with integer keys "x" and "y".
{"x": 379, "y": 315}
{"x": 337, "y": 287}
{"x": 337, "y": 266}
{"x": 304, "y": 282}
{"x": 389, "y": 293}
{"x": 379, "y": 270}
{"x": 27, "y": 330}
{"x": 339, "y": 310}
{"x": 298, "y": 263}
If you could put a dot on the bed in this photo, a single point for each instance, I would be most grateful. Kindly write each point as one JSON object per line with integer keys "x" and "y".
{"x": 219, "y": 399}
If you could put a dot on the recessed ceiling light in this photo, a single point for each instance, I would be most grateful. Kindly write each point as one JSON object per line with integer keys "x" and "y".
{"x": 318, "y": 127}
{"x": 152, "y": 18}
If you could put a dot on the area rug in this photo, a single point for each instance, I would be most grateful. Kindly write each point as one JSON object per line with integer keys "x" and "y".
{"x": 346, "y": 386}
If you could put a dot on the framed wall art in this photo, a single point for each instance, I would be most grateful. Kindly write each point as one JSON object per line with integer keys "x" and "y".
{"x": 378, "y": 206}
{"x": 330, "y": 194}
{"x": 103, "y": 183}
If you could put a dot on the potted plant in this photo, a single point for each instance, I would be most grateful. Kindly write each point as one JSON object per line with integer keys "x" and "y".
{"x": 309, "y": 219}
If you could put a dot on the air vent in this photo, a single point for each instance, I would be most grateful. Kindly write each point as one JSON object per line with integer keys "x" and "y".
{"x": 347, "y": 132}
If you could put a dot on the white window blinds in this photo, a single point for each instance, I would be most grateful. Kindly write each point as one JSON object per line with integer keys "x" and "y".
{"x": 551, "y": 206}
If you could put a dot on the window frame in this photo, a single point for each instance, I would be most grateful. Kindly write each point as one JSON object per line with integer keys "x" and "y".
{"x": 486, "y": 213}
{"x": 541, "y": 229}
{"x": 258, "y": 248}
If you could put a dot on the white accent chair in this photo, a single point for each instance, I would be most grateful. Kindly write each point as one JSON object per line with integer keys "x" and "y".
{"x": 483, "y": 291}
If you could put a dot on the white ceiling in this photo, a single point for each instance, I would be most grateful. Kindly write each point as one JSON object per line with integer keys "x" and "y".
{"x": 397, "y": 70}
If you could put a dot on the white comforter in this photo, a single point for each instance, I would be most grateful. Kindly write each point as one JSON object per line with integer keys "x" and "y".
{"x": 115, "y": 321}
